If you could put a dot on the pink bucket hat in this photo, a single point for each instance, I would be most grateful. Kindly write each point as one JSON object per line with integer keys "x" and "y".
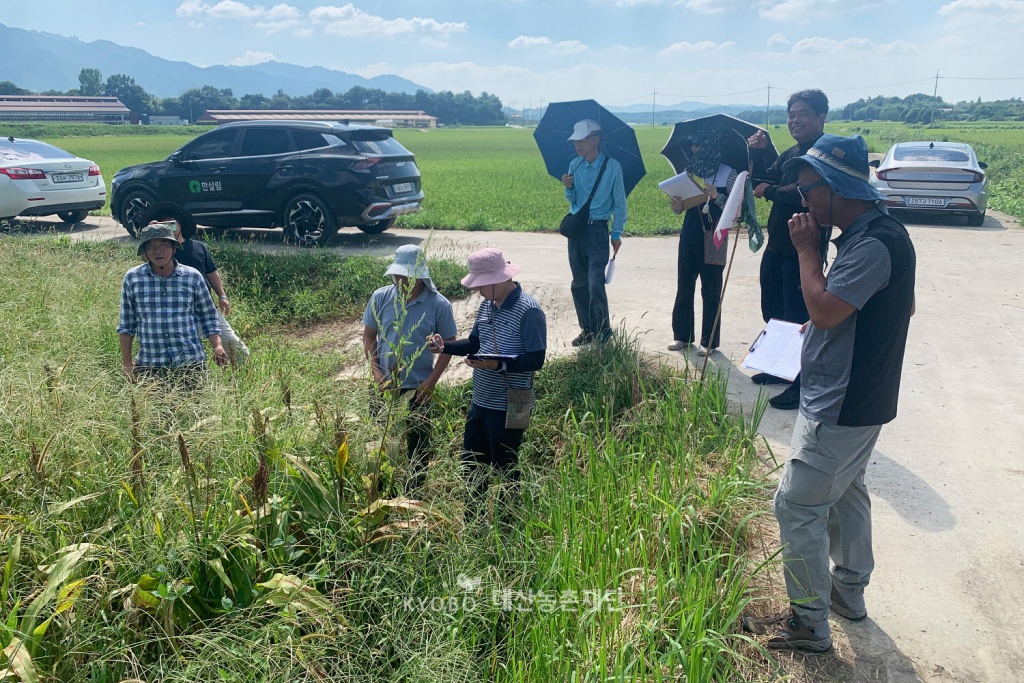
{"x": 488, "y": 267}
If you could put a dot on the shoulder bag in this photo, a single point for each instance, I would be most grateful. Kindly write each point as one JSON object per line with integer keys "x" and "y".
{"x": 573, "y": 225}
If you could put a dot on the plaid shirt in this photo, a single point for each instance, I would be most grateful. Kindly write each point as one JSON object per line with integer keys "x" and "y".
{"x": 165, "y": 315}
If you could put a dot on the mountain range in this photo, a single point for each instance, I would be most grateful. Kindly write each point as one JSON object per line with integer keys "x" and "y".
{"x": 47, "y": 61}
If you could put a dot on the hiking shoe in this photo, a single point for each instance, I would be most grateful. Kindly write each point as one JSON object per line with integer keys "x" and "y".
{"x": 765, "y": 378}
{"x": 788, "y": 399}
{"x": 676, "y": 345}
{"x": 582, "y": 339}
{"x": 701, "y": 350}
{"x": 843, "y": 608}
{"x": 787, "y": 633}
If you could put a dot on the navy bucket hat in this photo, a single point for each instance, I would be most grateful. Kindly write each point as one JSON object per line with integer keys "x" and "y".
{"x": 843, "y": 163}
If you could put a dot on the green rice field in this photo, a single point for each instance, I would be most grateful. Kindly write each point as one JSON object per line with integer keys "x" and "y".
{"x": 494, "y": 178}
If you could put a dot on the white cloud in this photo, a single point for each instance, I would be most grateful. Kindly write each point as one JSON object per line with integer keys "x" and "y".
{"x": 711, "y": 6}
{"x": 797, "y": 11}
{"x": 982, "y": 5}
{"x": 349, "y": 20}
{"x": 819, "y": 45}
{"x": 195, "y": 24}
{"x": 239, "y": 11}
{"x": 685, "y": 47}
{"x": 564, "y": 47}
{"x": 250, "y": 58}
{"x": 302, "y": 32}
{"x": 275, "y": 26}
{"x": 569, "y": 47}
{"x": 529, "y": 41}
{"x": 779, "y": 40}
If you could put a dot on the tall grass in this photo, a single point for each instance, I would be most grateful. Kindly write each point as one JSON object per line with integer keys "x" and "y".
{"x": 251, "y": 530}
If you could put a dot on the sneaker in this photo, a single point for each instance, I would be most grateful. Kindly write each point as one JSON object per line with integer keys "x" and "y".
{"x": 676, "y": 345}
{"x": 582, "y": 339}
{"x": 843, "y": 608}
{"x": 765, "y": 378}
{"x": 787, "y": 400}
{"x": 787, "y": 633}
{"x": 701, "y": 350}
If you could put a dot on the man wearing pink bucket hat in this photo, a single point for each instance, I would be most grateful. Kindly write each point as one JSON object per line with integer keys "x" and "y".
{"x": 505, "y": 347}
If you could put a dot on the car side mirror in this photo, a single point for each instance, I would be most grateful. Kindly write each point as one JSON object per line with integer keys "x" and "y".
{"x": 875, "y": 163}
{"x": 176, "y": 157}
{"x": 982, "y": 164}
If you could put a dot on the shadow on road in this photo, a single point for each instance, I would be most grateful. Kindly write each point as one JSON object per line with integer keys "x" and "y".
{"x": 947, "y": 221}
{"x": 383, "y": 244}
{"x": 41, "y": 226}
{"x": 909, "y": 495}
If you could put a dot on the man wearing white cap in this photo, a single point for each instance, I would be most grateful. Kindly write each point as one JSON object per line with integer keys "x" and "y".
{"x": 397, "y": 319}
{"x": 593, "y": 173}
{"x": 510, "y": 324}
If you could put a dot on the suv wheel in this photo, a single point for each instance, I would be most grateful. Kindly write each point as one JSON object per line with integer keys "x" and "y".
{"x": 72, "y": 216}
{"x": 132, "y": 209}
{"x": 308, "y": 221}
{"x": 378, "y": 227}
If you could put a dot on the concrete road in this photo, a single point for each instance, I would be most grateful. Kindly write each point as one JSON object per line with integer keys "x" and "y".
{"x": 947, "y": 475}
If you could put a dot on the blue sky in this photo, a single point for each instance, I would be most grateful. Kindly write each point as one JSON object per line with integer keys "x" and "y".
{"x": 619, "y": 52}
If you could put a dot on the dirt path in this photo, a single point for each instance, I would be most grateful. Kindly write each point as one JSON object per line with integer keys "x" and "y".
{"x": 947, "y": 475}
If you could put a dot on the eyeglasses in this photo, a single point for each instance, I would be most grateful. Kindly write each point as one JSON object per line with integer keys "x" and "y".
{"x": 804, "y": 189}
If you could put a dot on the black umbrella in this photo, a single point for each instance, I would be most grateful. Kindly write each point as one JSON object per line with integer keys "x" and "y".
{"x": 734, "y": 132}
{"x": 618, "y": 140}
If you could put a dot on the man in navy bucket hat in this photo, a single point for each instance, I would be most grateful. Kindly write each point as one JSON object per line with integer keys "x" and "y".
{"x": 851, "y": 364}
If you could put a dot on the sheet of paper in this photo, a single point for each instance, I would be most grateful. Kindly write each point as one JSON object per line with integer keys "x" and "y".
{"x": 681, "y": 186}
{"x": 732, "y": 209}
{"x": 610, "y": 272}
{"x": 776, "y": 350}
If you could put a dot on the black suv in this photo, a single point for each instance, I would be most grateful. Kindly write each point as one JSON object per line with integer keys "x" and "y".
{"x": 309, "y": 177}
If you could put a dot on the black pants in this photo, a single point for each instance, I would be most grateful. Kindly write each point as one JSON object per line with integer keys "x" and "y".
{"x": 588, "y": 257}
{"x": 782, "y": 297}
{"x": 485, "y": 442}
{"x": 417, "y": 434}
{"x": 691, "y": 266}
{"x": 183, "y": 377}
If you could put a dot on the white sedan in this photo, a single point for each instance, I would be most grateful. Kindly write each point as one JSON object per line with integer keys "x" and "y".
{"x": 38, "y": 179}
{"x": 933, "y": 177}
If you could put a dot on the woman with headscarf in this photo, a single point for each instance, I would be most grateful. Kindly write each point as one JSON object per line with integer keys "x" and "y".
{"x": 698, "y": 255}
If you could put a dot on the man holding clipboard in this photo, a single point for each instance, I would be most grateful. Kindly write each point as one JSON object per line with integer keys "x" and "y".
{"x": 506, "y": 346}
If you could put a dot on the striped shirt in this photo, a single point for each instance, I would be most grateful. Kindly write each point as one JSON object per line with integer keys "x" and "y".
{"x": 165, "y": 314}
{"x": 516, "y": 328}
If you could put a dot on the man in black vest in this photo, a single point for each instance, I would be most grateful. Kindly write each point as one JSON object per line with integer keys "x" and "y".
{"x": 851, "y": 364}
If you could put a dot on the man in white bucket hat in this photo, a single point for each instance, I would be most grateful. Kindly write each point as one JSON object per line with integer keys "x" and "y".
{"x": 510, "y": 324}
{"x": 396, "y": 321}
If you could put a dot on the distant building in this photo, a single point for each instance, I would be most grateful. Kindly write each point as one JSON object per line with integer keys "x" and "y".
{"x": 64, "y": 108}
{"x": 385, "y": 118}
{"x": 166, "y": 121}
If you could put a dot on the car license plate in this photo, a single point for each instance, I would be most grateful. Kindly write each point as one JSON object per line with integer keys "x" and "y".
{"x": 399, "y": 188}
{"x": 925, "y": 201}
{"x": 67, "y": 177}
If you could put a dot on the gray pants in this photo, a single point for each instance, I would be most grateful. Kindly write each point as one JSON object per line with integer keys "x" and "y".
{"x": 588, "y": 257}
{"x": 229, "y": 339}
{"x": 823, "y": 510}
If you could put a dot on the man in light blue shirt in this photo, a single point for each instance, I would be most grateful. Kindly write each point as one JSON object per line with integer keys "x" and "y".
{"x": 588, "y": 254}
{"x": 396, "y": 324}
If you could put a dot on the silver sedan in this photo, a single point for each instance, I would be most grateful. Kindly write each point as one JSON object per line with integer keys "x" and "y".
{"x": 941, "y": 177}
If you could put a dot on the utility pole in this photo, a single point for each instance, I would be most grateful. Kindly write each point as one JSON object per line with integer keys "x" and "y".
{"x": 935, "y": 93}
{"x": 654, "y": 106}
{"x": 768, "y": 107}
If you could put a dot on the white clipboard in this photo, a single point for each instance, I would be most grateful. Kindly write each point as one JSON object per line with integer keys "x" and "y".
{"x": 776, "y": 351}
{"x": 682, "y": 186}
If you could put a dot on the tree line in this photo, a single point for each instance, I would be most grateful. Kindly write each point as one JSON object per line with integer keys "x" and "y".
{"x": 449, "y": 108}
{"x": 916, "y": 108}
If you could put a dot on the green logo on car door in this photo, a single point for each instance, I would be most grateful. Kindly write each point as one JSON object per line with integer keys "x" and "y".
{"x": 194, "y": 187}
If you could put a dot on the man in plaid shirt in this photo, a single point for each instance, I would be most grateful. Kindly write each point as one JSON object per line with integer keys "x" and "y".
{"x": 164, "y": 304}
